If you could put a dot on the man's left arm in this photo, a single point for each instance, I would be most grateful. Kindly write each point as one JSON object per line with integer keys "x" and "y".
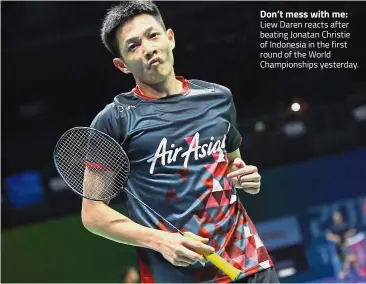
{"x": 244, "y": 176}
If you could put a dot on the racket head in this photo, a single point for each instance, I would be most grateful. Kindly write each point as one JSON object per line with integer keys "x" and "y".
{"x": 92, "y": 163}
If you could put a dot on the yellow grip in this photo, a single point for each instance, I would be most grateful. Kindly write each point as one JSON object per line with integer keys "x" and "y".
{"x": 218, "y": 261}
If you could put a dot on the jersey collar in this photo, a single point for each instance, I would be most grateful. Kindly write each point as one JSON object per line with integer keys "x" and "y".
{"x": 185, "y": 82}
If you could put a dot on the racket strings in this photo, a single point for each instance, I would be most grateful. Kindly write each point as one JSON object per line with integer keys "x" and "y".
{"x": 92, "y": 164}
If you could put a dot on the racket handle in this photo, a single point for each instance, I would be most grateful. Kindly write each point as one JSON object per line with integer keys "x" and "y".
{"x": 218, "y": 261}
{"x": 223, "y": 265}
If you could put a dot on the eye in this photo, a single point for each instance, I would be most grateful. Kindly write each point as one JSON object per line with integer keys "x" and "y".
{"x": 131, "y": 47}
{"x": 154, "y": 35}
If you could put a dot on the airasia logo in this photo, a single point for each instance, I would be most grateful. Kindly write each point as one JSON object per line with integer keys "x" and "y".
{"x": 195, "y": 151}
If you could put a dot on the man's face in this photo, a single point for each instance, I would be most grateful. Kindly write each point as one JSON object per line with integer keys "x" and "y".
{"x": 147, "y": 50}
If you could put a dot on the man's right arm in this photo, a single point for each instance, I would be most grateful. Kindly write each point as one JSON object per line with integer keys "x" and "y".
{"x": 102, "y": 220}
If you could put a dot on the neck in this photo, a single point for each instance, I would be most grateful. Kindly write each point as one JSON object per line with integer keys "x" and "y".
{"x": 168, "y": 87}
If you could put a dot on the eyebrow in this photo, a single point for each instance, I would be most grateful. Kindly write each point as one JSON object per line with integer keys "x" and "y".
{"x": 137, "y": 37}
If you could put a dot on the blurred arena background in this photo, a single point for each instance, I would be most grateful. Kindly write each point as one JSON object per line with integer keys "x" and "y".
{"x": 306, "y": 131}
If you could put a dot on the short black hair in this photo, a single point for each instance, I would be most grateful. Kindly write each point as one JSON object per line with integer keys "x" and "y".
{"x": 119, "y": 14}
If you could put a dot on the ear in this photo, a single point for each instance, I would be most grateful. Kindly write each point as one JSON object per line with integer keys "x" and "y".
{"x": 170, "y": 35}
{"x": 118, "y": 62}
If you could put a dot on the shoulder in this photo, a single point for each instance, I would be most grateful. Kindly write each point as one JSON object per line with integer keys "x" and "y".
{"x": 199, "y": 84}
{"x": 108, "y": 111}
{"x": 115, "y": 108}
{"x": 108, "y": 120}
{"x": 127, "y": 99}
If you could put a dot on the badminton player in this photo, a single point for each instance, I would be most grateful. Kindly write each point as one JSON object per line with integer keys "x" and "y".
{"x": 338, "y": 233}
{"x": 183, "y": 147}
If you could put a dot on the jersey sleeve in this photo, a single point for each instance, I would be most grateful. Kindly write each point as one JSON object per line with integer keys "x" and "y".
{"x": 107, "y": 121}
{"x": 234, "y": 138}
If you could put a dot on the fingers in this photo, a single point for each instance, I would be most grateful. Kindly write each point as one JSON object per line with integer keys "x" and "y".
{"x": 190, "y": 256}
{"x": 186, "y": 257}
{"x": 187, "y": 260}
{"x": 250, "y": 178}
{"x": 251, "y": 190}
{"x": 250, "y": 185}
{"x": 243, "y": 171}
{"x": 191, "y": 236}
{"x": 186, "y": 250}
{"x": 180, "y": 263}
{"x": 199, "y": 246}
{"x": 246, "y": 177}
{"x": 248, "y": 181}
{"x": 238, "y": 163}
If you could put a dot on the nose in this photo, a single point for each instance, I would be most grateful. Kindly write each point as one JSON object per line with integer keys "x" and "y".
{"x": 149, "y": 49}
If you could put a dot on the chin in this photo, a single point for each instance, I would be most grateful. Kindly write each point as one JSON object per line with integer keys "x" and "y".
{"x": 156, "y": 77}
{"x": 164, "y": 69}
{"x": 153, "y": 79}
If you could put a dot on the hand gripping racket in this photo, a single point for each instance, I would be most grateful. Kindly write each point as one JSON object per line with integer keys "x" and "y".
{"x": 96, "y": 167}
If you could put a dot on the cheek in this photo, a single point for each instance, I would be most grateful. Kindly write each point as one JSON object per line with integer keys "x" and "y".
{"x": 170, "y": 53}
{"x": 169, "y": 57}
{"x": 135, "y": 65}
{"x": 166, "y": 48}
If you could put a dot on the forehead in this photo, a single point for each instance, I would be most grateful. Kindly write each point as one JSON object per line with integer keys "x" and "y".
{"x": 137, "y": 26}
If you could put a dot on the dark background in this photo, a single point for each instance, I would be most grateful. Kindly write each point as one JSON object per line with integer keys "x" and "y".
{"x": 56, "y": 74}
{"x": 52, "y": 58}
